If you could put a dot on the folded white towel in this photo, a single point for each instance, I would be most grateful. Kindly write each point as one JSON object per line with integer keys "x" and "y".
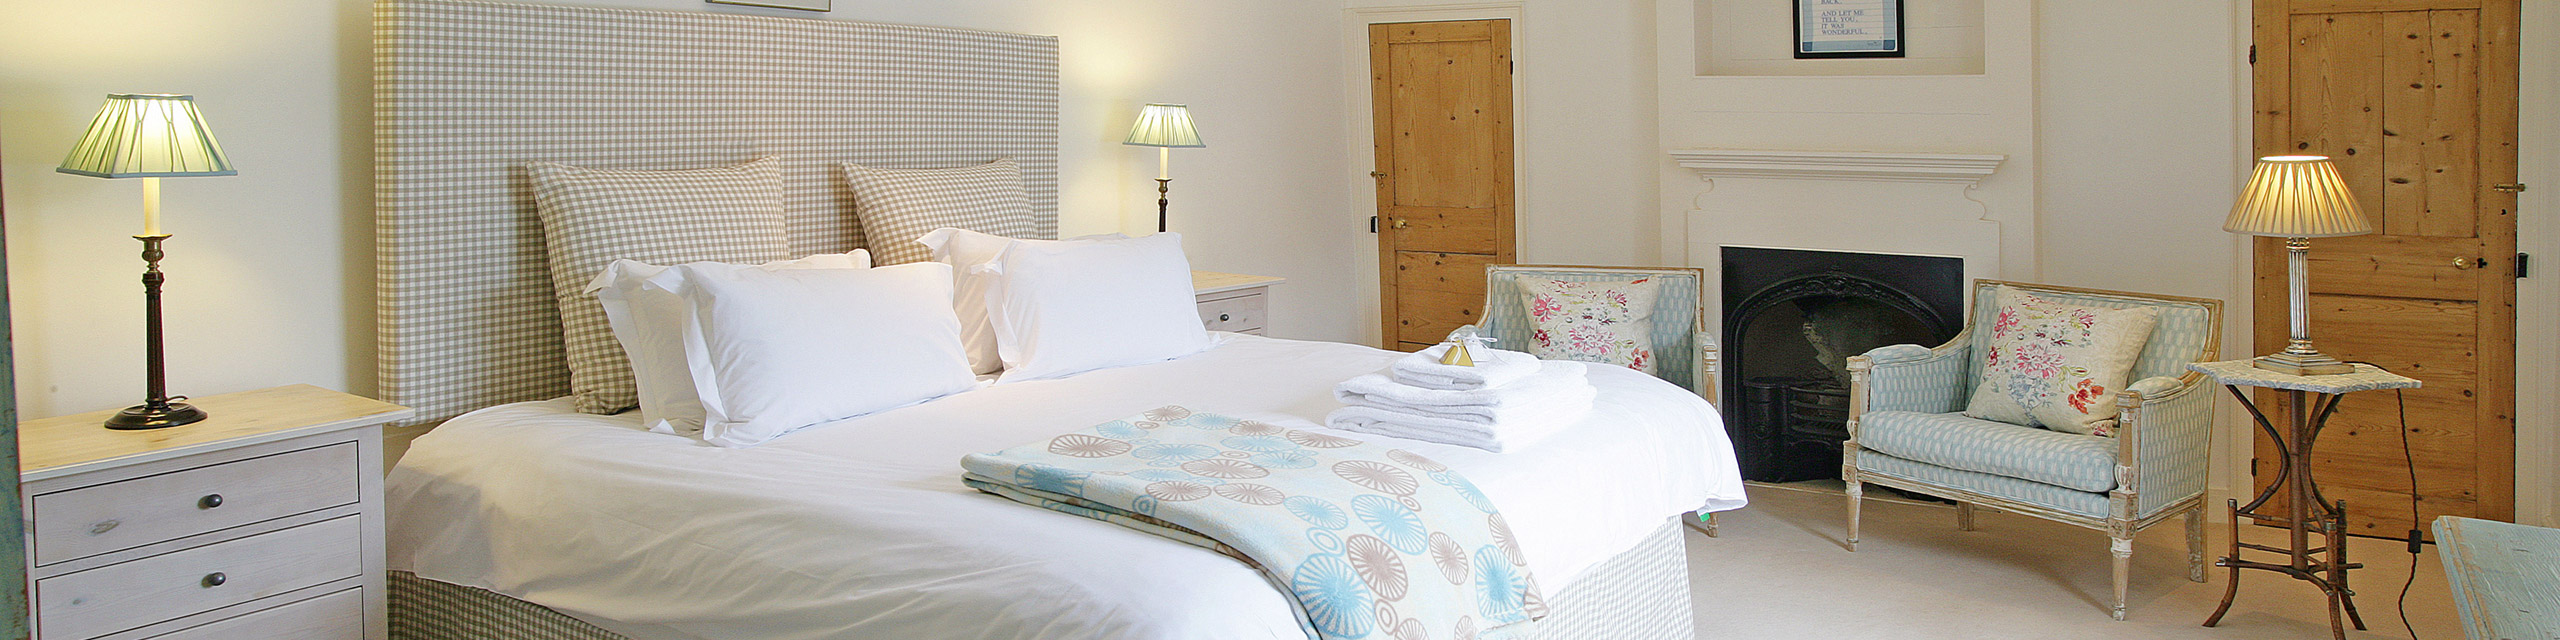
{"x": 1494, "y": 367}
{"x": 1557, "y": 381}
{"x": 1511, "y": 435}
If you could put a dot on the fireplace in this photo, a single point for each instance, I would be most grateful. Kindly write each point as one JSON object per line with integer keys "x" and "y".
{"x": 1792, "y": 319}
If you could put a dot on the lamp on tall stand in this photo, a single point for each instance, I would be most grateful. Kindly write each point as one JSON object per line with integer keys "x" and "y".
{"x": 2298, "y": 198}
{"x": 1165, "y": 127}
{"x": 150, "y": 136}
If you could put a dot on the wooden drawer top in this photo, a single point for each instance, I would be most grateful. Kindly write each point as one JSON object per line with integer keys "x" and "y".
{"x": 55, "y": 447}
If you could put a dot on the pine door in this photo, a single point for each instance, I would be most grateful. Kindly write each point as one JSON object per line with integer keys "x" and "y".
{"x": 1440, "y": 96}
{"x": 2415, "y": 100}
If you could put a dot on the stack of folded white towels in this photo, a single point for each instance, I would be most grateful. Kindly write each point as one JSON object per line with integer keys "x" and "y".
{"x": 1506, "y": 401}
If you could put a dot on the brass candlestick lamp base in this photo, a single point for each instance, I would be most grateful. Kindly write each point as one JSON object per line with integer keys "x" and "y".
{"x": 1164, "y": 191}
{"x": 159, "y": 411}
{"x": 2312, "y": 364}
{"x": 2298, "y": 358}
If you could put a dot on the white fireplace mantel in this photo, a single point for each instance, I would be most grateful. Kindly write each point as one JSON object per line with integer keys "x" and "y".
{"x": 1963, "y": 168}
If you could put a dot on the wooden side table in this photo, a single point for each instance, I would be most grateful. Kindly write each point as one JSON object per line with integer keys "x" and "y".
{"x": 2310, "y": 400}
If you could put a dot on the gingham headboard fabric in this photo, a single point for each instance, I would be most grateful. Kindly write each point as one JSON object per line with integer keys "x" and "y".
{"x": 467, "y": 92}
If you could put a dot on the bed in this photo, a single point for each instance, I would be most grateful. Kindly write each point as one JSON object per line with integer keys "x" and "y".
{"x": 515, "y": 517}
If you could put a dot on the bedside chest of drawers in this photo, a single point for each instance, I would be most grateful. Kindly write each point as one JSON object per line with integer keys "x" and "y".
{"x": 1233, "y": 301}
{"x": 263, "y": 521}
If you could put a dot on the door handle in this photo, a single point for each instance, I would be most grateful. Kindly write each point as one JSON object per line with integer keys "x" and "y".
{"x": 1377, "y": 174}
{"x": 2511, "y": 187}
{"x": 1401, "y": 223}
{"x": 2466, "y": 263}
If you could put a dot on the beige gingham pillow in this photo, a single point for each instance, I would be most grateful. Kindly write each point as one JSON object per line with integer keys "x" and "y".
{"x": 592, "y": 217}
{"x": 897, "y": 206}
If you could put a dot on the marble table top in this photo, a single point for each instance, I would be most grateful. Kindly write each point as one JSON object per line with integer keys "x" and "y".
{"x": 2243, "y": 374}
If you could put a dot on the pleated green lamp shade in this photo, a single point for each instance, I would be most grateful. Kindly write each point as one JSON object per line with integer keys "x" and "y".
{"x": 2297, "y": 197}
{"x": 1164, "y": 125}
{"x": 147, "y": 136}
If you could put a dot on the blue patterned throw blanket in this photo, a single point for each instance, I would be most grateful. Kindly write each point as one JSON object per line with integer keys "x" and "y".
{"x": 1370, "y": 541}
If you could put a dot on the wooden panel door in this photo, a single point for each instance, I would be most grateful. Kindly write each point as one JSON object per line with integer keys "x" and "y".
{"x": 1440, "y": 95}
{"x": 2415, "y": 100}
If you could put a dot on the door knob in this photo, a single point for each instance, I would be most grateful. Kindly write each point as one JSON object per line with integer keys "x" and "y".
{"x": 1377, "y": 174}
{"x": 2466, "y": 263}
{"x": 1400, "y": 223}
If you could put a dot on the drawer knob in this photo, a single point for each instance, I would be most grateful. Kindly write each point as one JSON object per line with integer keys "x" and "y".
{"x": 209, "y": 501}
{"x": 102, "y": 528}
{"x": 215, "y": 579}
{"x": 1222, "y": 317}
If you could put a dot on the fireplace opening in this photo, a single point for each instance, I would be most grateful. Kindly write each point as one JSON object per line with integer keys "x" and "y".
{"x": 1792, "y": 319}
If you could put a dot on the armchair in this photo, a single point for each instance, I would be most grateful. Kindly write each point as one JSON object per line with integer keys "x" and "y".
{"x": 1688, "y": 354}
{"x": 1906, "y": 432}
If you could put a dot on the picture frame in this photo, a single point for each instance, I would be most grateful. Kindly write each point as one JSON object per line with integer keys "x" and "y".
{"x": 1849, "y": 29}
{"x": 803, "y": 5}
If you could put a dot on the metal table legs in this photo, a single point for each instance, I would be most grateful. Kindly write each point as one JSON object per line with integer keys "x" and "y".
{"x": 2324, "y": 566}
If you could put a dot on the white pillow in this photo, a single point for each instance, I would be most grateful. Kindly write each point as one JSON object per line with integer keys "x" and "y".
{"x": 1069, "y": 307}
{"x": 785, "y": 349}
{"x": 964, "y": 249}
{"x": 652, "y": 324}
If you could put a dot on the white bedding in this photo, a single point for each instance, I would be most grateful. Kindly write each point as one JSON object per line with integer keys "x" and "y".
{"x": 862, "y": 529}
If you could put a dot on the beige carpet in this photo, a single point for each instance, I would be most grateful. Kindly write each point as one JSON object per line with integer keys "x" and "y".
{"x": 1779, "y": 571}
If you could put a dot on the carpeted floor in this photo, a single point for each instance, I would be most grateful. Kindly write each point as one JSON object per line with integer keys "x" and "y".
{"x": 1779, "y": 571}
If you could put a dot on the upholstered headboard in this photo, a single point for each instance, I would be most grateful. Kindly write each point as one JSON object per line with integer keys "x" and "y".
{"x": 468, "y": 91}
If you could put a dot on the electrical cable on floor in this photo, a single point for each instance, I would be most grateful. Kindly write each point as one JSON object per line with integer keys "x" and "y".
{"x": 2417, "y": 532}
{"x": 2417, "y": 535}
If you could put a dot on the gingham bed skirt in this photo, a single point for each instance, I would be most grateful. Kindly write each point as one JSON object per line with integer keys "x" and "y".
{"x": 1641, "y": 594}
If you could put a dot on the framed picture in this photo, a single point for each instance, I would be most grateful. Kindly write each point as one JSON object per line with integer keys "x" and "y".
{"x": 1849, "y": 28}
{"x": 803, "y": 5}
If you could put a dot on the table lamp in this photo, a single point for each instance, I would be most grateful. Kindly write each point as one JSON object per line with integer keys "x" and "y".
{"x": 2298, "y": 198}
{"x": 1165, "y": 127}
{"x": 150, "y": 136}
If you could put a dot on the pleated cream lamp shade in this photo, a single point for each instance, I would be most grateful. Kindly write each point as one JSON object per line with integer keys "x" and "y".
{"x": 140, "y": 135}
{"x": 1164, "y": 125}
{"x": 2297, "y": 197}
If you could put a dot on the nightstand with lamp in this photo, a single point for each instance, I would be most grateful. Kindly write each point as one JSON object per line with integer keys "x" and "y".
{"x": 245, "y": 515}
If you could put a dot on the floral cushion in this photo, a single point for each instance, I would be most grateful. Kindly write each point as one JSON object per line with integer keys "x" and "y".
{"x": 1603, "y": 322}
{"x": 2056, "y": 365}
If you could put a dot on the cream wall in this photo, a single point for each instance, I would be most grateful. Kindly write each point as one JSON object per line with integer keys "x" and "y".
{"x": 270, "y": 276}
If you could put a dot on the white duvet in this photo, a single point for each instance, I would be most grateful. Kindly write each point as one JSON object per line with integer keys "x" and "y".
{"x": 861, "y": 528}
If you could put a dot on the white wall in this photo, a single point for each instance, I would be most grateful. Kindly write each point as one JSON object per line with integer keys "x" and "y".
{"x": 270, "y": 271}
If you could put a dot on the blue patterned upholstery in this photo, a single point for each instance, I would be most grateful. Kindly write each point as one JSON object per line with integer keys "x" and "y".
{"x": 2093, "y": 505}
{"x": 2171, "y": 430}
{"x": 1677, "y": 329}
{"x": 2069, "y": 460}
{"x": 1910, "y": 377}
